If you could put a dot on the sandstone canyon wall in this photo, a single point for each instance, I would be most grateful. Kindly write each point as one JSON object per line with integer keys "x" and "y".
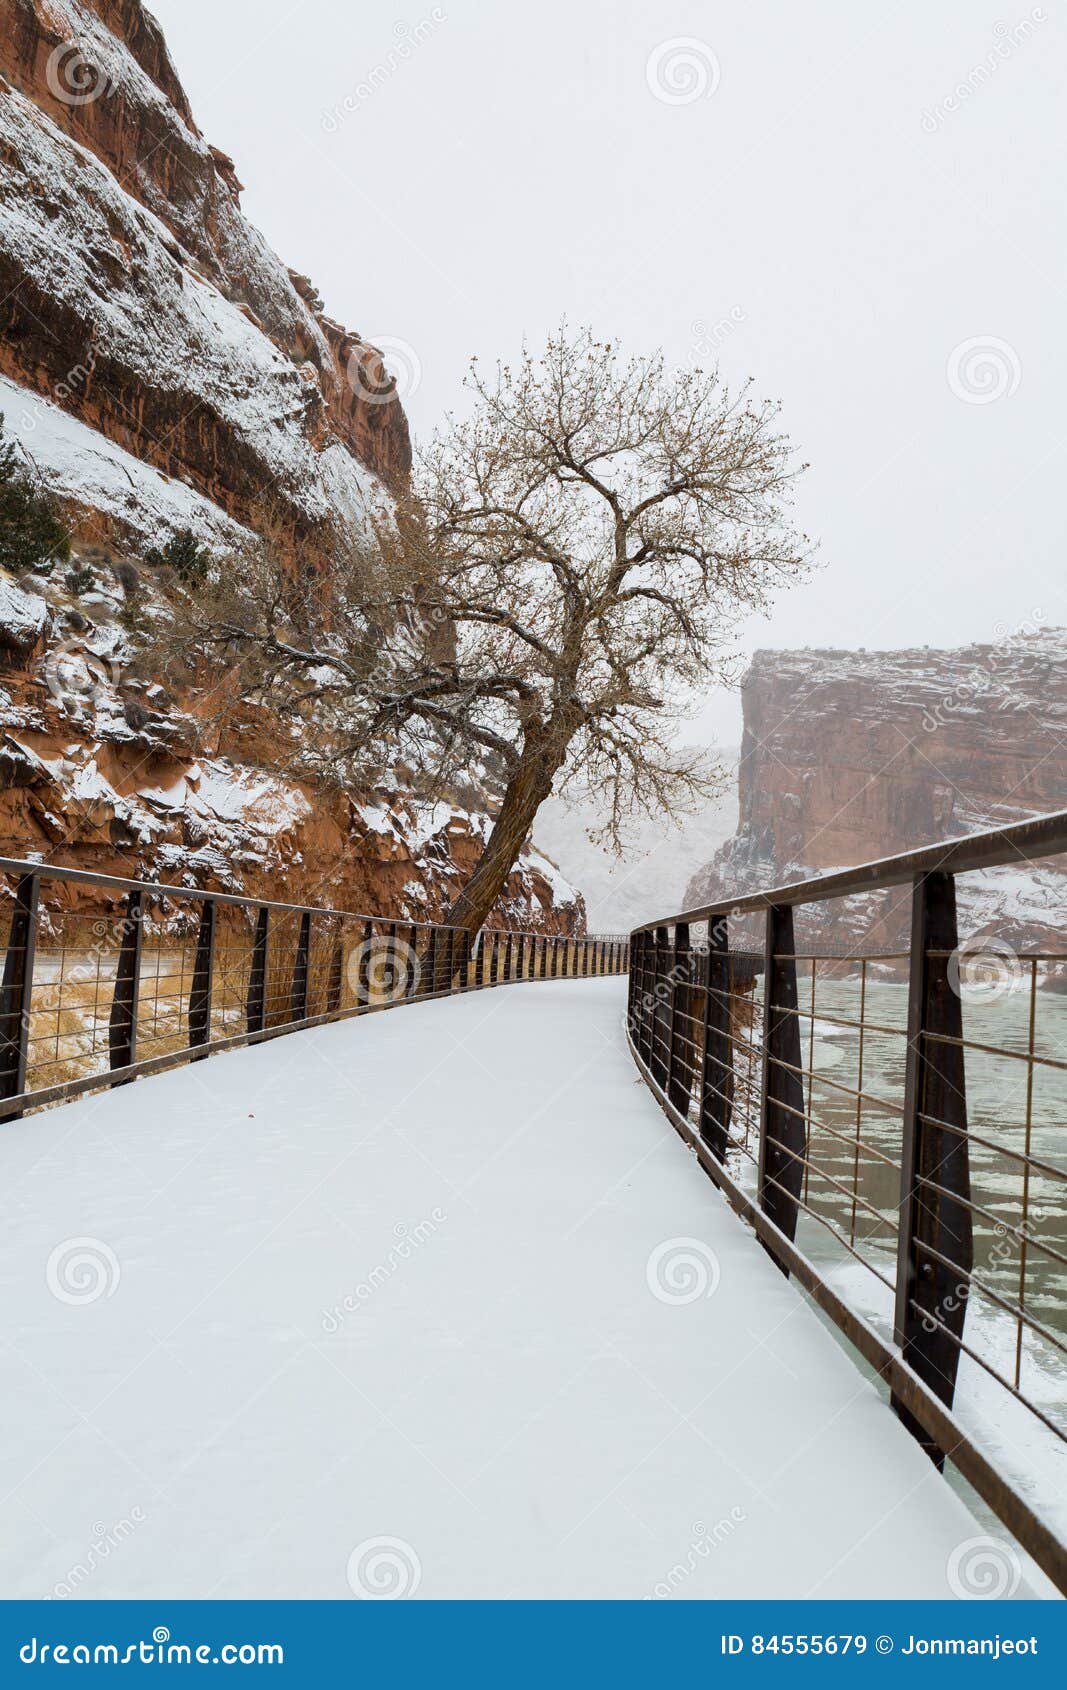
{"x": 849, "y": 756}
{"x": 162, "y": 370}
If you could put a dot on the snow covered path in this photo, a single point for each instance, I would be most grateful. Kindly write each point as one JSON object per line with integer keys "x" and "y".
{"x": 390, "y": 1279}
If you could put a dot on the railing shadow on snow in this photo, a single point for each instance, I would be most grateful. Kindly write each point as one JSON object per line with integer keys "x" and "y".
{"x": 107, "y": 979}
{"x": 890, "y": 1119}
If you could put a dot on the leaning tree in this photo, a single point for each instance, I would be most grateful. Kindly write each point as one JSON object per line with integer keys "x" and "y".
{"x": 594, "y": 530}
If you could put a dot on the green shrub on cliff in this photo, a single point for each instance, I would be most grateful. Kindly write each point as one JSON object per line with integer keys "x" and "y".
{"x": 32, "y": 537}
{"x": 181, "y": 553}
{"x": 80, "y": 579}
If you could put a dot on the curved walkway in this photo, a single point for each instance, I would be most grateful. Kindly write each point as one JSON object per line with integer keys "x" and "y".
{"x": 390, "y": 1279}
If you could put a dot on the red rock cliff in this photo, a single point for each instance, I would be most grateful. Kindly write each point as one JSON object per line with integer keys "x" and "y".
{"x": 849, "y": 756}
{"x": 138, "y": 298}
{"x": 161, "y": 369}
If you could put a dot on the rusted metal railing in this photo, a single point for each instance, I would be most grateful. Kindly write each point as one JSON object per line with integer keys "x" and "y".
{"x": 107, "y": 979}
{"x": 892, "y": 1123}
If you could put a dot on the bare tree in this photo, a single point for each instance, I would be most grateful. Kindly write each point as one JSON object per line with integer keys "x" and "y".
{"x": 569, "y": 571}
{"x": 598, "y": 525}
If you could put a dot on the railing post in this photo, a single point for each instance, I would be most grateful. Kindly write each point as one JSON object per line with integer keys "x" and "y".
{"x": 509, "y": 957}
{"x": 931, "y": 1303}
{"x": 479, "y": 963}
{"x": 717, "y": 1082}
{"x": 256, "y": 1002}
{"x": 431, "y": 962}
{"x": 298, "y": 998}
{"x": 389, "y": 955}
{"x": 122, "y": 1028}
{"x": 679, "y": 1063}
{"x": 366, "y": 946}
{"x": 335, "y": 984}
{"x": 203, "y": 971}
{"x": 462, "y": 960}
{"x": 17, "y": 991}
{"x": 543, "y": 970}
{"x": 659, "y": 1047}
{"x": 783, "y": 1135}
{"x": 645, "y": 1002}
{"x": 631, "y": 1004}
{"x": 413, "y": 973}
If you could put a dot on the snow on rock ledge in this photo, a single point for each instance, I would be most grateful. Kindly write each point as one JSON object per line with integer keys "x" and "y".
{"x": 91, "y": 475}
{"x": 23, "y": 618}
{"x": 136, "y": 294}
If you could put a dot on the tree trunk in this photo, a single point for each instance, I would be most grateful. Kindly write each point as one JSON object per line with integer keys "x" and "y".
{"x": 526, "y": 791}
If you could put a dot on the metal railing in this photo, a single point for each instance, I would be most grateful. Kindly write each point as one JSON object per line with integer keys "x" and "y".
{"x": 893, "y": 1124}
{"x": 106, "y": 979}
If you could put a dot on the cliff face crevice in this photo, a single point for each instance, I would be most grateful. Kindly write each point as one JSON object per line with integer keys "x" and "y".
{"x": 850, "y": 756}
{"x": 162, "y": 370}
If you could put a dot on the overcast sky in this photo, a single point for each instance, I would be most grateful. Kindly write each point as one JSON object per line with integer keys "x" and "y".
{"x": 859, "y": 206}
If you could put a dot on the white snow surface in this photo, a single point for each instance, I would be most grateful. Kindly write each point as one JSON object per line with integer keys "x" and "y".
{"x": 23, "y": 616}
{"x": 78, "y": 463}
{"x": 389, "y": 1278}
